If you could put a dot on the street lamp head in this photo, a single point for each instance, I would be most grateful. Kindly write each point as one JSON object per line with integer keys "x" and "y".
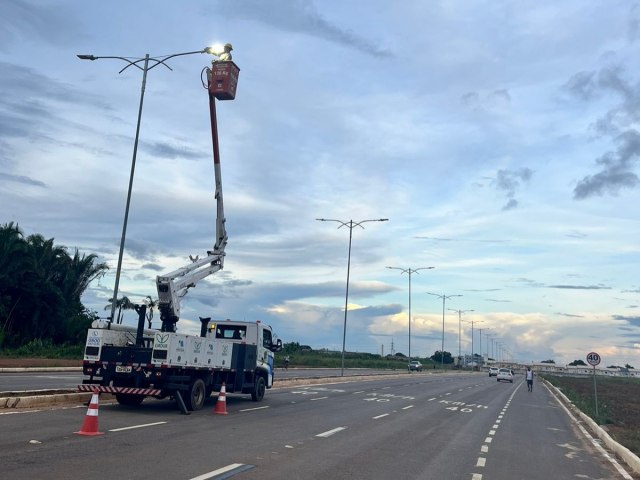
{"x": 86, "y": 57}
{"x": 223, "y": 52}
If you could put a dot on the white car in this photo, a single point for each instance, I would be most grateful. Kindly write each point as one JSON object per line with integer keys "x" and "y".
{"x": 505, "y": 374}
{"x": 493, "y": 371}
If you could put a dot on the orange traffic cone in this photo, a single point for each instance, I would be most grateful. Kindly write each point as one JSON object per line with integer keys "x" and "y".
{"x": 90, "y": 424}
{"x": 221, "y": 404}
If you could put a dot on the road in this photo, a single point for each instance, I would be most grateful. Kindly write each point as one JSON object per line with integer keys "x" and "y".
{"x": 21, "y": 381}
{"x": 462, "y": 426}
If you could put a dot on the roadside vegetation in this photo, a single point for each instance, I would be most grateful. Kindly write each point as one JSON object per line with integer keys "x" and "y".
{"x": 40, "y": 289}
{"x": 618, "y": 406}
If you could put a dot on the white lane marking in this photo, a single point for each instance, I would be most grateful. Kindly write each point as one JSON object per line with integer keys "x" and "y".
{"x": 12, "y": 413}
{"x": 476, "y": 476}
{"x": 361, "y": 391}
{"x": 495, "y": 426}
{"x": 407, "y": 407}
{"x": 239, "y": 467}
{"x": 318, "y": 398}
{"x": 488, "y": 440}
{"x": 386, "y": 388}
{"x": 484, "y": 448}
{"x": 328, "y": 433}
{"x": 431, "y": 399}
{"x": 448, "y": 393}
{"x": 492, "y": 432}
{"x": 481, "y": 462}
{"x": 498, "y": 421}
{"x": 380, "y": 416}
{"x": 256, "y": 408}
{"x": 136, "y": 426}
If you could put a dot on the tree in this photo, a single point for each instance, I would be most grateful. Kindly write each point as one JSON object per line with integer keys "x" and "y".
{"x": 437, "y": 357}
{"x": 40, "y": 288}
{"x": 626, "y": 365}
{"x": 575, "y": 363}
{"x": 548, "y": 361}
{"x": 122, "y": 303}
{"x": 151, "y": 304}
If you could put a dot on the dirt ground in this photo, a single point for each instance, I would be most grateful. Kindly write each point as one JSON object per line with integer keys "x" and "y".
{"x": 38, "y": 362}
{"x": 618, "y": 405}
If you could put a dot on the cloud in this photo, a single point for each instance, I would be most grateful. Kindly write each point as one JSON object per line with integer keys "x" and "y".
{"x": 634, "y": 321}
{"x": 616, "y": 172}
{"x": 508, "y": 181}
{"x": 570, "y": 315}
{"x": 580, "y": 287}
{"x": 21, "y": 179}
{"x": 301, "y": 16}
{"x": 23, "y": 21}
{"x": 618, "y": 122}
{"x": 166, "y": 150}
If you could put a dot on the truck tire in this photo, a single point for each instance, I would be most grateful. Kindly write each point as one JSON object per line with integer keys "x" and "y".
{"x": 258, "y": 389}
{"x": 129, "y": 400}
{"x": 196, "y": 395}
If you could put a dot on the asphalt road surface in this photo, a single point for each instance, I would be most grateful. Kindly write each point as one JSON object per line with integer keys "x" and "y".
{"x": 421, "y": 426}
{"x": 21, "y": 381}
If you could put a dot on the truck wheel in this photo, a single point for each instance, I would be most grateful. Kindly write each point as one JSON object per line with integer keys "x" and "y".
{"x": 258, "y": 389}
{"x": 196, "y": 395}
{"x": 129, "y": 400}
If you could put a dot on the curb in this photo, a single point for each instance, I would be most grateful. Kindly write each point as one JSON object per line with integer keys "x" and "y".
{"x": 630, "y": 458}
{"x": 34, "y": 401}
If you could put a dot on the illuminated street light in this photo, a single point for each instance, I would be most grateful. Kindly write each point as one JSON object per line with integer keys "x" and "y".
{"x": 444, "y": 298}
{"x": 409, "y": 271}
{"x": 148, "y": 63}
{"x": 460, "y": 312}
{"x": 350, "y": 224}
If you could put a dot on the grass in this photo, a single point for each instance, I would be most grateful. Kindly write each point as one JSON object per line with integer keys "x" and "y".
{"x": 44, "y": 349}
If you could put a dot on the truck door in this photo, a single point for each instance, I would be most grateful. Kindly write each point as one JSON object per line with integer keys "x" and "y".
{"x": 265, "y": 355}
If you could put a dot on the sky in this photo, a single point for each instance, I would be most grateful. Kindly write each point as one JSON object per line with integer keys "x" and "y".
{"x": 499, "y": 139}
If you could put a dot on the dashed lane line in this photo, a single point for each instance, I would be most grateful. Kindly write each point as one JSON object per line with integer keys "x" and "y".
{"x": 328, "y": 433}
{"x": 225, "y": 472}
{"x": 136, "y": 426}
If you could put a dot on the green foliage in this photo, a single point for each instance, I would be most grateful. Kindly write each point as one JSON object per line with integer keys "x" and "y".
{"x": 304, "y": 356}
{"x": 575, "y": 363}
{"x": 438, "y": 357}
{"x": 45, "y": 349}
{"x": 40, "y": 289}
{"x": 548, "y": 361}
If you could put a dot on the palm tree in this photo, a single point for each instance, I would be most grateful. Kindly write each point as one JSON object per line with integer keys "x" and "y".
{"x": 151, "y": 304}
{"x": 122, "y": 304}
{"x": 13, "y": 265}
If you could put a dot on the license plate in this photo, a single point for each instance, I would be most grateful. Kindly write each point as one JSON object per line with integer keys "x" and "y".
{"x": 122, "y": 369}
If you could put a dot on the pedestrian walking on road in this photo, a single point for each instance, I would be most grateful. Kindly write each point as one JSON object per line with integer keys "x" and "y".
{"x": 529, "y": 379}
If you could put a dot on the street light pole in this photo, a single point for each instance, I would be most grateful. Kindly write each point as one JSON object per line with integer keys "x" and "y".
{"x": 155, "y": 61}
{"x": 460, "y": 312}
{"x": 481, "y": 343}
{"x": 350, "y": 224}
{"x": 409, "y": 271}
{"x": 444, "y": 298}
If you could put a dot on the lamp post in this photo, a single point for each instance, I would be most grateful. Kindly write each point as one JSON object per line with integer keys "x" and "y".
{"x": 409, "y": 271}
{"x": 480, "y": 329}
{"x": 460, "y": 312}
{"x": 350, "y": 224}
{"x": 444, "y": 298}
{"x": 148, "y": 63}
{"x": 473, "y": 358}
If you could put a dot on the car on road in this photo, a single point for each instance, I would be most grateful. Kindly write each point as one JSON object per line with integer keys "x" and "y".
{"x": 493, "y": 371}
{"x": 505, "y": 374}
{"x": 415, "y": 365}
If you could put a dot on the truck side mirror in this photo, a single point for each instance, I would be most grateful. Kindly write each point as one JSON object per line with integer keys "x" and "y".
{"x": 278, "y": 346}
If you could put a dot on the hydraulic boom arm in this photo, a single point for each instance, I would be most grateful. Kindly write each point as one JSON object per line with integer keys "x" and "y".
{"x": 173, "y": 286}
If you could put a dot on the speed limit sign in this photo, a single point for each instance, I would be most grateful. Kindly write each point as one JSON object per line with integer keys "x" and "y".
{"x": 593, "y": 358}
